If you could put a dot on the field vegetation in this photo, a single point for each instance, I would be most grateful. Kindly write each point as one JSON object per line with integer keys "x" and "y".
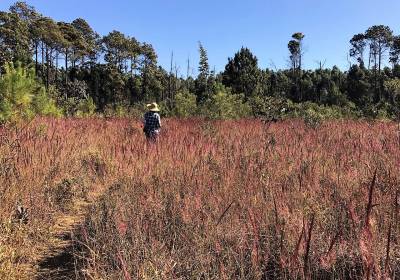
{"x": 212, "y": 200}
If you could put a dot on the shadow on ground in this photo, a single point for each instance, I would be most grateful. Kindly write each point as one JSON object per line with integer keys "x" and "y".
{"x": 60, "y": 264}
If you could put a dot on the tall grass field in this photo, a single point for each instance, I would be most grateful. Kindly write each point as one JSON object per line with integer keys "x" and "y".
{"x": 211, "y": 200}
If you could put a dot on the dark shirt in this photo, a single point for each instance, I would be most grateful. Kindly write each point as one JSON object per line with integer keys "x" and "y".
{"x": 152, "y": 121}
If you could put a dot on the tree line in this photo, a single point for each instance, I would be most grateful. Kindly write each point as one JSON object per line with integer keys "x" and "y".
{"x": 85, "y": 73}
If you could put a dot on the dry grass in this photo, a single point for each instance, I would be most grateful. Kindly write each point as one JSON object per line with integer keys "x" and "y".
{"x": 47, "y": 165}
{"x": 213, "y": 200}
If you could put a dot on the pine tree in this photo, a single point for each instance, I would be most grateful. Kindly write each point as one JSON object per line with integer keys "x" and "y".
{"x": 21, "y": 96}
{"x": 242, "y": 73}
{"x": 204, "y": 73}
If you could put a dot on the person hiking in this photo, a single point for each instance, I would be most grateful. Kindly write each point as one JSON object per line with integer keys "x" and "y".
{"x": 152, "y": 122}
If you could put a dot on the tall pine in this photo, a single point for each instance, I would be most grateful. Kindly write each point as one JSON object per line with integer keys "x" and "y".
{"x": 204, "y": 73}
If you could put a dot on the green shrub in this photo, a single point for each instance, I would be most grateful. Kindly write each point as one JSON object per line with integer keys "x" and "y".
{"x": 167, "y": 109}
{"x": 225, "y": 105}
{"x": 22, "y": 96}
{"x": 116, "y": 110}
{"x": 307, "y": 109}
{"x": 185, "y": 104}
{"x": 137, "y": 110}
{"x": 86, "y": 108}
{"x": 270, "y": 108}
{"x": 44, "y": 105}
{"x": 381, "y": 111}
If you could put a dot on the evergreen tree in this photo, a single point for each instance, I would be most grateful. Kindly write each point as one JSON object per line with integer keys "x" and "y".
{"x": 204, "y": 73}
{"x": 87, "y": 48}
{"x": 358, "y": 43}
{"x": 358, "y": 86}
{"x": 242, "y": 72}
{"x": 395, "y": 51}
{"x": 379, "y": 38}
{"x": 295, "y": 47}
{"x": 14, "y": 39}
{"x": 21, "y": 96}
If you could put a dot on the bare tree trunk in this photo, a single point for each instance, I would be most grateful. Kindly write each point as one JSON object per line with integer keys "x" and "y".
{"x": 379, "y": 71}
{"x": 42, "y": 46}
{"x": 144, "y": 82}
{"x": 300, "y": 60}
{"x": 73, "y": 58}
{"x": 375, "y": 72}
{"x": 176, "y": 79}
{"x": 47, "y": 67}
{"x": 56, "y": 66}
{"x": 170, "y": 77}
{"x": 369, "y": 60}
{"x": 36, "y": 58}
{"x": 131, "y": 58}
{"x": 187, "y": 70}
{"x": 379, "y": 58}
{"x": 66, "y": 66}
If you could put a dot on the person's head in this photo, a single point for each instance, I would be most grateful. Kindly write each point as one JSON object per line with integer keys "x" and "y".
{"x": 153, "y": 107}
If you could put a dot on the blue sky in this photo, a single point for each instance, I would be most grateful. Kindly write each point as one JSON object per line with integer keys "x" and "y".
{"x": 223, "y": 26}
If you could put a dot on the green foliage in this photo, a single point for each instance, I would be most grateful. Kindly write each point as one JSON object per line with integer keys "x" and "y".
{"x": 116, "y": 110}
{"x": 88, "y": 38}
{"x": 295, "y": 47}
{"x": 314, "y": 113}
{"x": 185, "y": 104}
{"x": 225, "y": 105}
{"x": 381, "y": 110}
{"x": 72, "y": 97}
{"x": 269, "y": 107}
{"x": 44, "y": 105}
{"x": 14, "y": 39}
{"x": 115, "y": 74}
{"x": 203, "y": 89}
{"x": 358, "y": 45}
{"x": 393, "y": 88}
{"x": 21, "y": 96}
{"x": 395, "y": 51}
{"x": 242, "y": 73}
{"x": 86, "y": 108}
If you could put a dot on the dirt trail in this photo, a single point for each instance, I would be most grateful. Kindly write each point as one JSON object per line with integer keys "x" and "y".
{"x": 59, "y": 264}
{"x": 57, "y": 261}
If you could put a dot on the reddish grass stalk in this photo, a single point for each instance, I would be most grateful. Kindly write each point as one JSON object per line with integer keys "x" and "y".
{"x": 396, "y": 208}
{"x": 387, "y": 261}
{"x": 393, "y": 217}
{"x": 124, "y": 266}
{"x": 327, "y": 258}
{"x": 366, "y": 235}
{"x": 297, "y": 249}
{"x": 224, "y": 213}
{"x": 370, "y": 198}
{"x": 307, "y": 274}
{"x": 256, "y": 240}
{"x": 333, "y": 241}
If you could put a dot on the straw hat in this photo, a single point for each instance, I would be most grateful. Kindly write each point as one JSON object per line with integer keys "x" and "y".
{"x": 153, "y": 107}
